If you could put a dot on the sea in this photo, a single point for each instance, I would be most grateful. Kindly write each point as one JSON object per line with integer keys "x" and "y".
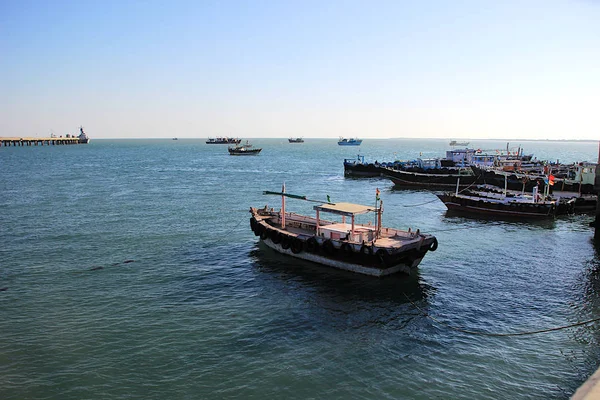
{"x": 128, "y": 270}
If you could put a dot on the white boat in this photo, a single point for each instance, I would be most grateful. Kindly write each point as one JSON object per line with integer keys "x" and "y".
{"x": 349, "y": 142}
{"x": 369, "y": 249}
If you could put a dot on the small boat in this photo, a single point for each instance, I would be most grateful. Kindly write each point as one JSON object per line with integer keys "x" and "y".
{"x": 175, "y": 138}
{"x": 83, "y": 137}
{"x": 349, "y": 142}
{"x": 369, "y": 249}
{"x": 296, "y": 140}
{"x": 456, "y": 143}
{"x": 223, "y": 140}
{"x": 243, "y": 150}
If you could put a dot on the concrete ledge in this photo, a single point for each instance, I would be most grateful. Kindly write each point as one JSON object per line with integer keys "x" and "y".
{"x": 590, "y": 390}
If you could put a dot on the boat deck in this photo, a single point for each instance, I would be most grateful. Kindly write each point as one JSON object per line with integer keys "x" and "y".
{"x": 362, "y": 233}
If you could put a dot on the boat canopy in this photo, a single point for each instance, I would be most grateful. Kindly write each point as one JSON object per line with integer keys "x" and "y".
{"x": 348, "y": 209}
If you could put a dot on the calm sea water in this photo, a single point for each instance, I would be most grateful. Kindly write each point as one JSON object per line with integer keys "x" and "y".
{"x": 128, "y": 270}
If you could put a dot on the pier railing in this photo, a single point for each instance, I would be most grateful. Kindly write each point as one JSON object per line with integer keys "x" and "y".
{"x": 37, "y": 141}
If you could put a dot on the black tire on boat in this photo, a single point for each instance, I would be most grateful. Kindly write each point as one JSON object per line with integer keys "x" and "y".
{"x": 253, "y": 224}
{"x": 347, "y": 250}
{"x": 312, "y": 246}
{"x": 286, "y": 242}
{"x": 328, "y": 247}
{"x": 366, "y": 250}
{"x": 264, "y": 233}
{"x": 384, "y": 258}
{"x": 434, "y": 245}
{"x": 297, "y": 245}
{"x": 276, "y": 237}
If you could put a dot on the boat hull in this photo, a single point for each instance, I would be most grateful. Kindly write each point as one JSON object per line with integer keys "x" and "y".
{"x": 416, "y": 179}
{"x": 489, "y": 208}
{"x": 252, "y": 152}
{"x": 346, "y": 265}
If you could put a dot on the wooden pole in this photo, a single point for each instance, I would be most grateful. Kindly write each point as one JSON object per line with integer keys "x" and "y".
{"x": 283, "y": 206}
{"x": 597, "y": 189}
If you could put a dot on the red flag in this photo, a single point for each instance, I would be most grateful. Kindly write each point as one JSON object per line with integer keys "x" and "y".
{"x": 551, "y": 180}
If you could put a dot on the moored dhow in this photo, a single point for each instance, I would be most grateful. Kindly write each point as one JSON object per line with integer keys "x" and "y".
{"x": 490, "y": 200}
{"x": 362, "y": 248}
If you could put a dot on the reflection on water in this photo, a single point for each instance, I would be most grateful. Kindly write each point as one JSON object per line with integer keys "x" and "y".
{"x": 340, "y": 299}
{"x": 343, "y": 284}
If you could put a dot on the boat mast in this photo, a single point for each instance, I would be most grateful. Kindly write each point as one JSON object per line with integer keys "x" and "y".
{"x": 283, "y": 206}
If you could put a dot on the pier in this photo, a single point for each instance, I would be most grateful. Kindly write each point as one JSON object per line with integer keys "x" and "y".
{"x": 38, "y": 141}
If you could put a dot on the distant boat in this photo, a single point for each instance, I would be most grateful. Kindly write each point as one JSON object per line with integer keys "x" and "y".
{"x": 223, "y": 140}
{"x": 243, "y": 150}
{"x": 349, "y": 142}
{"x": 369, "y": 249}
{"x": 174, "y": 138}
{"x": 296, "y": 140}
{"x": 455, "y": 143}
{"x": 83, "y": 137}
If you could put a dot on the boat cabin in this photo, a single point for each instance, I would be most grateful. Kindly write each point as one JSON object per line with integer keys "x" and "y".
{"x": 344, "y": 230}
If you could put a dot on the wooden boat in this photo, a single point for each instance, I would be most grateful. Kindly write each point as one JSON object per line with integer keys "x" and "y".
{"x": 490, "y": 200}
{"x": 243, "y": 150}
{"x": 428, "y": 172}
{"x": 362, "y": 248}
{"x": 349, "y": 142}
{"x": 432, "y": 178}
{"x": 578, "y": 177}
{"x": 223, "y": 140}
{"x": 296, "y": 140}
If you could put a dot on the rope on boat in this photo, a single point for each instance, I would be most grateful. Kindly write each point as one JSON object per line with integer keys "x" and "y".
{"x": 436, "y": 199}
{"x": 421, "y": 204}
{"x": 499, "y": 334}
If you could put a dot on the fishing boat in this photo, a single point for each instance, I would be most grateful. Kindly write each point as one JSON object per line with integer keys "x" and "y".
{"x": 434, "y": 178}
{"x": 349, "y": 141}
{"x": 296, "y": 140}
{"x": 83, "y": 137}
{"x": 457, "y": 143}
{"x": 369, "y": 249}
{"x": 243, "y": 150}
{"x": 223, "y": 140}
{"x": 578, "y": 177}
{"x": 492, "y": 201}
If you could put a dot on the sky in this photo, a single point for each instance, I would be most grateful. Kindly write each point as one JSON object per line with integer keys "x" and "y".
{"x": 526, "y": 69}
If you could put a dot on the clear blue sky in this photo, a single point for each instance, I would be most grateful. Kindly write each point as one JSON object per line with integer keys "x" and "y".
{"x": 374, "y": 69}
